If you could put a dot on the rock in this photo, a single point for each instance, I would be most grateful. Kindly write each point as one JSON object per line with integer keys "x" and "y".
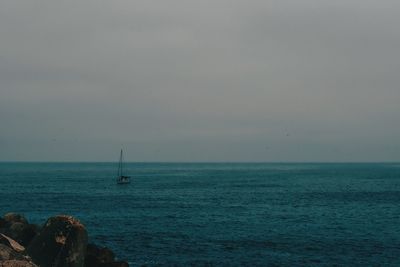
{"x": 11, "y": 218}
{"x": 7, "y": 253}
{"x": 17, "y": 263}
{"x": 16, "y": 226}
{"x": 101, "y": 257}
{"x": 28, "y": 234}
{"x": 96, "y": 255}
{"x": 22, "y": 233}
{"x": 11, "y": 258}
{"x": 15, "y": 230}
{"x": 3, "y": 223}
{"x": 115, "y": 264}
{"x": 62, "y": 242}
{"x": 5, "y": 240}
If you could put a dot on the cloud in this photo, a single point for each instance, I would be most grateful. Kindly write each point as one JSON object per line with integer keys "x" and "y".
{"x": 200, "y": 80}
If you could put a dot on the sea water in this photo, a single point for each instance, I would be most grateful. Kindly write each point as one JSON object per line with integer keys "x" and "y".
{"x": 220, "y": 214}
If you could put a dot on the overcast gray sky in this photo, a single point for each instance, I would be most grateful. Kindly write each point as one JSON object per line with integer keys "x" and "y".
{"x": 209, "y": 80}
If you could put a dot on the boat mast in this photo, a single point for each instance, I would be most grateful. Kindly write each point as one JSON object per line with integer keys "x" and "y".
{"x": 121, "y": 159}
{"x": 119, "y": 174}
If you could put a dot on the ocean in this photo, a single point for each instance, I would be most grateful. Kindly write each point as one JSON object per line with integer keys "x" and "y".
{"x": 220, "y": 214}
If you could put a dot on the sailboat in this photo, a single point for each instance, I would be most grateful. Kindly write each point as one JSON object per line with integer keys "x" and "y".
{"x": 121, "y": 178}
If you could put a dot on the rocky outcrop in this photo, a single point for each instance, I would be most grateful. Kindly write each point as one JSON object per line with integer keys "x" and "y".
{"x": 3, "y": 223}
{"x": 11, "y": 258}
{"x": 17, "y": 227}
{"x": 61, "y": 242}
{"x": 16, "y": 263}
{"x": 11, "y": 218}
{"x": 9, "y": 242}
{"x": 22, "y": 233}
{"x": 101, "y": 257}
{"x": 115, "y": 264}
{"x": 96, "y": 256}
{"x": 7, "y": 253}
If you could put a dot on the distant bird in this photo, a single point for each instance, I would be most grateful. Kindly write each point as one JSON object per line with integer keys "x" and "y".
{"x": 287, "y": 133}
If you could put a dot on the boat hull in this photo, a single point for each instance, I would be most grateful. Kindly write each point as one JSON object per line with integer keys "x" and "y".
{"x": 123, "y": 180}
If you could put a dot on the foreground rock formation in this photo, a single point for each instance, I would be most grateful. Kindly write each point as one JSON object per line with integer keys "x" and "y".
{"x": 61, "y": 242}
{"x": 17, "y": 227}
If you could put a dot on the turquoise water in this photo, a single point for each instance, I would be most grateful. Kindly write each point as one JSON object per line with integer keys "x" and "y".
{"x": 221, "y": 214}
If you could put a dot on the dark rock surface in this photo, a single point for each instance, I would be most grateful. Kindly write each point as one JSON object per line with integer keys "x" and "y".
{"x": 17, "y": 227}
{"x": 11, "y": 258}
{"x": 96, "y": 256}
{"x": 17, "y": 263}
{"x": 61, "y": 242}
{"x": 114, "y": 264}
{"x": 11, "y": 218}
{"x": 101, "y": 257}
{"x": 11, "y": 243}
{"x": 22, "y": 233}
{"x": 7, "y": 253}
{"x": 3, "y": 223}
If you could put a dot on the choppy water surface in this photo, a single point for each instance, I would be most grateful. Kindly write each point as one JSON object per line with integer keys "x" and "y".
{"x": 221, "y": 214}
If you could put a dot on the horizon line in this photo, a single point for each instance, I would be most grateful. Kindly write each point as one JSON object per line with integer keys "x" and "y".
{"x": 208, "y": 162}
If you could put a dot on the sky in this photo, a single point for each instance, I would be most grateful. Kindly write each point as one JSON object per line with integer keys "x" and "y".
{"x": 210, "y": 80}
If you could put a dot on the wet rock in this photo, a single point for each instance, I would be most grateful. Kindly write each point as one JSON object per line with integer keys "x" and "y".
{"x": 97, "y": 255}
{"x": 62, "y": 242}
{"x": 9, "y": 242}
